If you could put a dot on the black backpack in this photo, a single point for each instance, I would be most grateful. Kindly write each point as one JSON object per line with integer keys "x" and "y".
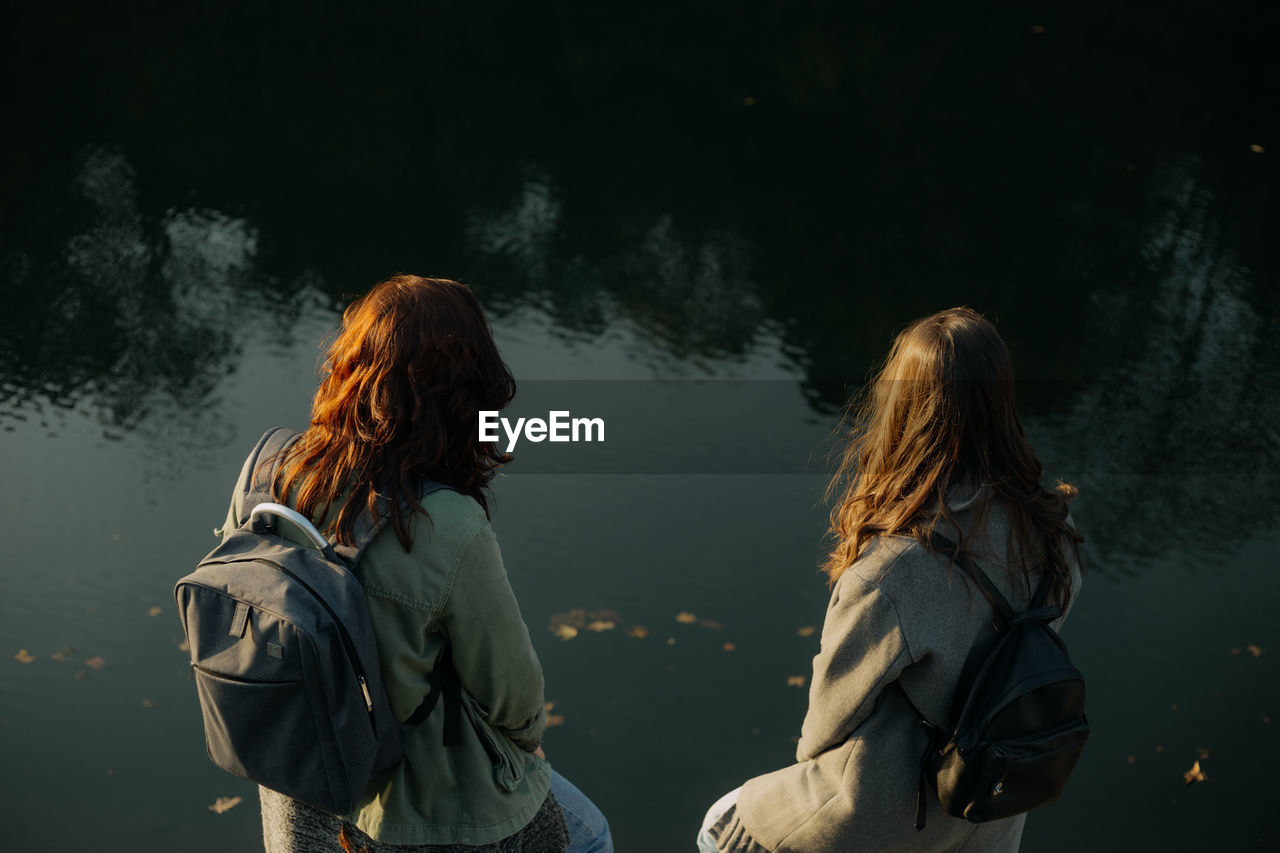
{"x": 284, "y": 655}
{"x": 1019, "y": 711}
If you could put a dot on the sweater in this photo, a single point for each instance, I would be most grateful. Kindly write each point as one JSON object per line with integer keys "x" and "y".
{"x": 898, "y": 629}
{"x": 450, "y": 591}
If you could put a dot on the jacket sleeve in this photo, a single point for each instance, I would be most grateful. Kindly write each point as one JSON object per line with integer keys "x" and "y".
{"x": 490, "y": 643}
{"x": 863, "y": 650}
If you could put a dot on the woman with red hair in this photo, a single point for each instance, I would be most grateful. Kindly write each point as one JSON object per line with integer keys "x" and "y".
{"x": 402, "y": 386}
{"x": 936, "y": 448}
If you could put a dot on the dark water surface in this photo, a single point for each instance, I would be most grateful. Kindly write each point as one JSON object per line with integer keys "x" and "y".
{"x": 703, "y": 222}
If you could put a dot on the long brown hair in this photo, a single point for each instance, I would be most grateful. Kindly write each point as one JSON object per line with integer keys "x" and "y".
{"x": 940, "y": 413}
{"x": 400, "y": 394}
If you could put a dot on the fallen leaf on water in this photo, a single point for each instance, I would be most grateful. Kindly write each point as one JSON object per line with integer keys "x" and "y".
{"x": 806, "y": 631}
{"x": 795, "y": 681}
{"x": 1159, "y": 749}
{"x": 111, "y": 772}
{"x": 1256, "y": 651}
{"x": 710, "y": 623}
{"x": 1132, "y": 759}
{"x": 1195, "y": 774}
{"x": 565, "y": 632}
{"x": 1202, "y": 752}
{"x": 24, "y": 656}
{"x": 728, "y": 647}
{"x": 95, "y": 662}
{"x": 155, "y": 611}
{"x": 1235, "y": 651}
{"x": 1038, "y": 29}
{"x": 1256, "y": 149}
{"x": 224, "y": 804}
{"x": 671, "y": 641}
{"x": 1265, "y": 718}
{"x": 638, "y": 631}
{"x": 686, "y": 617}
{"x": 555, "y": 720}
{"x": 1173, "y": 707}
{"x": 605, "y": 615}
{"x": 63, "y": 653}
{"x": 601, "y": 625}
{"x": 147, "y": 703}
{"x": 82, "y": 675}
{"x": 548, "y": 706}
{"x": 184, "y": 646}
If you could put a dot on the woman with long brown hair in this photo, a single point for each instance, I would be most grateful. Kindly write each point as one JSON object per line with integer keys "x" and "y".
{"x": 397, "y": 408}
{"x": 936, "y": 448}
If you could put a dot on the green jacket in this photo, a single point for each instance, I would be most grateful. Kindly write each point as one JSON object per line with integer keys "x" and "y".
{"x": 452, "y": 589}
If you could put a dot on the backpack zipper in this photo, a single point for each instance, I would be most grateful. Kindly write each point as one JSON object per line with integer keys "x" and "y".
{"x": 342, "y": 632}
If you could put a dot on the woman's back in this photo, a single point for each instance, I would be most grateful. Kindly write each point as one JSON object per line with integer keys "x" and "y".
{"x": 898, "y": 630}
{"x": 935, "y": 448}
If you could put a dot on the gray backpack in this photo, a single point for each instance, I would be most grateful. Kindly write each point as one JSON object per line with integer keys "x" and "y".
{"x": 284, "y": 656}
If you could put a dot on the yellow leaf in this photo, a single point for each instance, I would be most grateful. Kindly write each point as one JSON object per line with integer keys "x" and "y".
{"x": 24, "y": 656}
{"x": 147, "y": 703}
{"x": 95, "y": 662}
{"x": 795, "y": 681}
{"x": 806, "y": 631}
{"x": 224, "y": 804}
{"x": 604, "y": 615}
{"x": 1256, "y": 651}
{"x": 728, "y": 647}
{"x": 1194, "y": 775}
{"x": 547, "y": 706}
{"x": 555, "y": 720}
{"x": 710, "y": 623}
{"x": 62, "y": 653}
{"x": 155, "y": 611}
{"x": 1256, "y": 149}
{"x": 638, "y": 631}
{"x": 184, "y": 646}
{"x": 671, "y": 641}
{"x": 1132, "y": 759}
{"x": 601, "y": 625}
{"x": 565, "y": 632}
{"x": 686, "y": 617}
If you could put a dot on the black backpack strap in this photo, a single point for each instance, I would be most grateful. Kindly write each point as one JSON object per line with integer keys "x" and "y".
{"x": 367, "y": 528}
{"x": 444, "y": 684}
{"x": 263, "y": 466}
{"x": 940, "y": 543}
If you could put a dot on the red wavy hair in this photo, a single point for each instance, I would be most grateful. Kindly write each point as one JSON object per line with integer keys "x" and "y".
{"x": 400, "y": 394}
{"x": 940, "y": 412}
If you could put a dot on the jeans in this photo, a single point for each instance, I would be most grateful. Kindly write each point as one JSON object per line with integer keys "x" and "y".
{"x": 707, "y": 844}
{"x": 588, "y": 829}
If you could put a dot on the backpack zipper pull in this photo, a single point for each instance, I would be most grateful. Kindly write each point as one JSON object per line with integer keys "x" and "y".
{"x": 364, "y": 688}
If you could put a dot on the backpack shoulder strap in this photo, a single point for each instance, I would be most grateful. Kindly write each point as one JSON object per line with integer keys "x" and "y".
{"x": 261, "y": 468}
{"x": 993, "y": 594}
{"x": 367, "y": 528}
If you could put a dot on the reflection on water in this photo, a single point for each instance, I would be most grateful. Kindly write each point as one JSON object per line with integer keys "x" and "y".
{"x": 1177, "y": 443}
{"x": 693, "y": 294}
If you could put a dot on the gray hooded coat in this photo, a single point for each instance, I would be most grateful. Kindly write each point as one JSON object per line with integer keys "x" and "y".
{"x": 900, "y": 621}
